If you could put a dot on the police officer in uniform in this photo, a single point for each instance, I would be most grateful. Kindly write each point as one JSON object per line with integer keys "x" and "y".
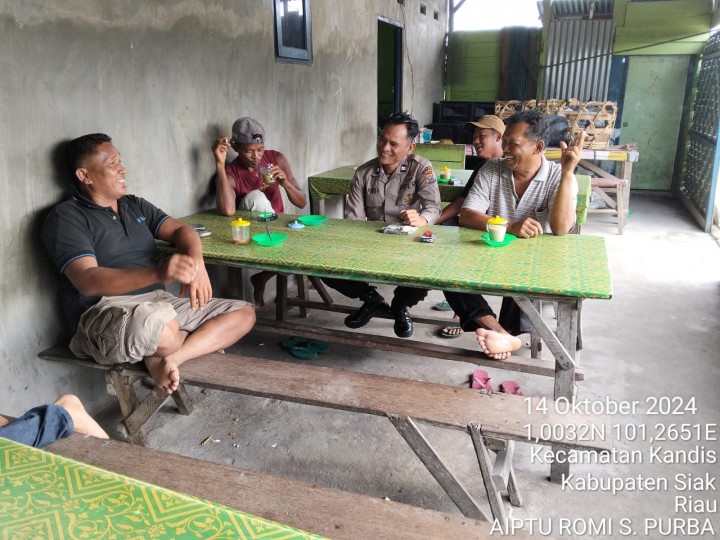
{"x": 397, "y": 186}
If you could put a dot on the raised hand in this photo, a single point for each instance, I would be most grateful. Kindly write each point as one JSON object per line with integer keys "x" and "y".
{"x": 220, "y": 149}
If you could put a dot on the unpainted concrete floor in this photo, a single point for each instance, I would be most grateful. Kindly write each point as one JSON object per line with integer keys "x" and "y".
{"x": 659, "y": 337}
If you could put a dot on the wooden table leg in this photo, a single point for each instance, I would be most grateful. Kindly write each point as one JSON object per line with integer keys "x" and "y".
{"x": 281, "y": 305}
{"x": 317, "y": 206}
{"x": 626, "y": 168}
{"x": 302, "y": 293}
{"x": 564, "y": 378}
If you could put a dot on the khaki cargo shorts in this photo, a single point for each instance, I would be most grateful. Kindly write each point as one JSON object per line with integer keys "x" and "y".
{"x": 128, "y": 328}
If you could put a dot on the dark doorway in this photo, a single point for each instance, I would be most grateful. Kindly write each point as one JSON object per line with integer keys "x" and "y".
{"x": 389, "y": 69}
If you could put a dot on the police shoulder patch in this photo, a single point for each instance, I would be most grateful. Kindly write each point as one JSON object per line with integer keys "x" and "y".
{"x": 429, "y": 175}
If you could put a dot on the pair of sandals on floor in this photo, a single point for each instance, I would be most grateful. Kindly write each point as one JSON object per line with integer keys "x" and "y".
{"x": 480, "y": 380}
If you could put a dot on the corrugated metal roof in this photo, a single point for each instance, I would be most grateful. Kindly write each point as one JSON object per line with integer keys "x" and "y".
{"x": 601, "y": 9}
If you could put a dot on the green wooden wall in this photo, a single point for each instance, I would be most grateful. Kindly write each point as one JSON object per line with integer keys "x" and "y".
{"x": 473, "y": 70}
{"x": 661, "y": 28}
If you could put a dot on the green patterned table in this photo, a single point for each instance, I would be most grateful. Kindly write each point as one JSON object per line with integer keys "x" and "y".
{"x": 565, "y": 269}
{"x": 47, "y": 496}
{"x": 547, "y": 267}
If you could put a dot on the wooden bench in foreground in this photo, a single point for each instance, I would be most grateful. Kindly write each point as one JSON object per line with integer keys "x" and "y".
{"x": 487, "y": 418}
{"x": 336, "y": 514}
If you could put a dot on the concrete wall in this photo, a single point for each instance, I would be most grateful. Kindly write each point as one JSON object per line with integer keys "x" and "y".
{"x": 164, "y": 78}
{"x": 652, "y": 114}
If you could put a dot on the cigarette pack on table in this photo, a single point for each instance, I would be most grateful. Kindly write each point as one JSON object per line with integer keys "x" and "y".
{"x": 399, "y": 229}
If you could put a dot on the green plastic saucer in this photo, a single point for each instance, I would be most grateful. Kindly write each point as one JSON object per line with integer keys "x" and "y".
{"x": 274, "y": 239}
{"x": 312, "y": 219}
{"x": 508, "y": 238}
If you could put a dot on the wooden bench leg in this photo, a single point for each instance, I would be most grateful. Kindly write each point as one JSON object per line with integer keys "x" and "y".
{"x": 182, "y": 400}
{"x": 420, "y": 445}
{"x": 136, "y": 413}
{"x": 496, "y": 503}
{"x": 503, "y": 473}
{"x": 513, "y": 492}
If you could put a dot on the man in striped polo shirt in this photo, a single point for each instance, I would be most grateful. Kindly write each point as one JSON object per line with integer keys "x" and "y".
{"x": 536, "y": 196}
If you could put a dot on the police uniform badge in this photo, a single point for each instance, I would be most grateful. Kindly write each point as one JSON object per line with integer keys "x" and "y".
{"x": 429, "y": 175}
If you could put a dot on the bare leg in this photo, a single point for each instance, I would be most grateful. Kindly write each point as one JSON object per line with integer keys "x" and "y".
{"x": 177, "y": 346}
{"x": 494, "y": 340}
{"x": 84, "y": 423}
{"x": 259, "y": 281}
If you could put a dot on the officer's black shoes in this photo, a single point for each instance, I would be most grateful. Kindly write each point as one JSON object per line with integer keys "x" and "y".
{"x": 403, "y": 323}
{"x": 368, "y": 310}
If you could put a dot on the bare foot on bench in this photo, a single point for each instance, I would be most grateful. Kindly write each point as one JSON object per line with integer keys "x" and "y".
{"x": 497, "y": 345}
{"x": 259, "y": 281}
{"x": 164, "y": 372}
{"x": 84, "y": 423}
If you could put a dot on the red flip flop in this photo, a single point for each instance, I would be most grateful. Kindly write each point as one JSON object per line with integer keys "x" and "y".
{"x": 511, "y": 387}
{"x": 480, "y": 380}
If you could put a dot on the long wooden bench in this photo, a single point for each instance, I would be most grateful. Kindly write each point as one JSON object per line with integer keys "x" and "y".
{"x": 533, "y": 365}
{"x": 316, "y": 509}
{"x": 487, "y": 418}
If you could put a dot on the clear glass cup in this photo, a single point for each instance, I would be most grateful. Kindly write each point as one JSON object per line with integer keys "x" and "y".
{"x": 267, "y": 175}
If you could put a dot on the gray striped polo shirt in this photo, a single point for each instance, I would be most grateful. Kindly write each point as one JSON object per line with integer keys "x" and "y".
{"x": 494, "y": 193}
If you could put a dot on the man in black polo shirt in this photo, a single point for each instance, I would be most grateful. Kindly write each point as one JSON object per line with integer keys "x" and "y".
{"x": 103, "y": 242}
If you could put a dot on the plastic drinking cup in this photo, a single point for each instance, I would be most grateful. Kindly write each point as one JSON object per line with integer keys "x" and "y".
{"x": 240, "y": 231}
{"x": 496, "y": 228}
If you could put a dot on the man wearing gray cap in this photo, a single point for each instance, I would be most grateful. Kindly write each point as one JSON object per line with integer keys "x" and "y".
{"x": 252, "y": 181}
{"x": 241, "y": 184}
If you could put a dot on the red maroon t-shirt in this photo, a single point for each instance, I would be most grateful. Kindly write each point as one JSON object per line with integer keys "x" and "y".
{"x": 246, "y": 181}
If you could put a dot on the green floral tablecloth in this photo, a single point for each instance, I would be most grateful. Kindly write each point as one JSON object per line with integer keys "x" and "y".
{"x": 460, "y": 260}
{"x": 46, "y": 496}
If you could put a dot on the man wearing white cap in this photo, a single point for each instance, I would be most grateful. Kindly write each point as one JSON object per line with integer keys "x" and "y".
{"x": 487, "y": 141}
{"x": 242, "y": 186}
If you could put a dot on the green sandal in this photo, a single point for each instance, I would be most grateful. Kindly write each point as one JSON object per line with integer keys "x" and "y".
{"x": 442, "y": 306}
{"x": 313, "y": 344}
{"x": 297, "y": 350}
